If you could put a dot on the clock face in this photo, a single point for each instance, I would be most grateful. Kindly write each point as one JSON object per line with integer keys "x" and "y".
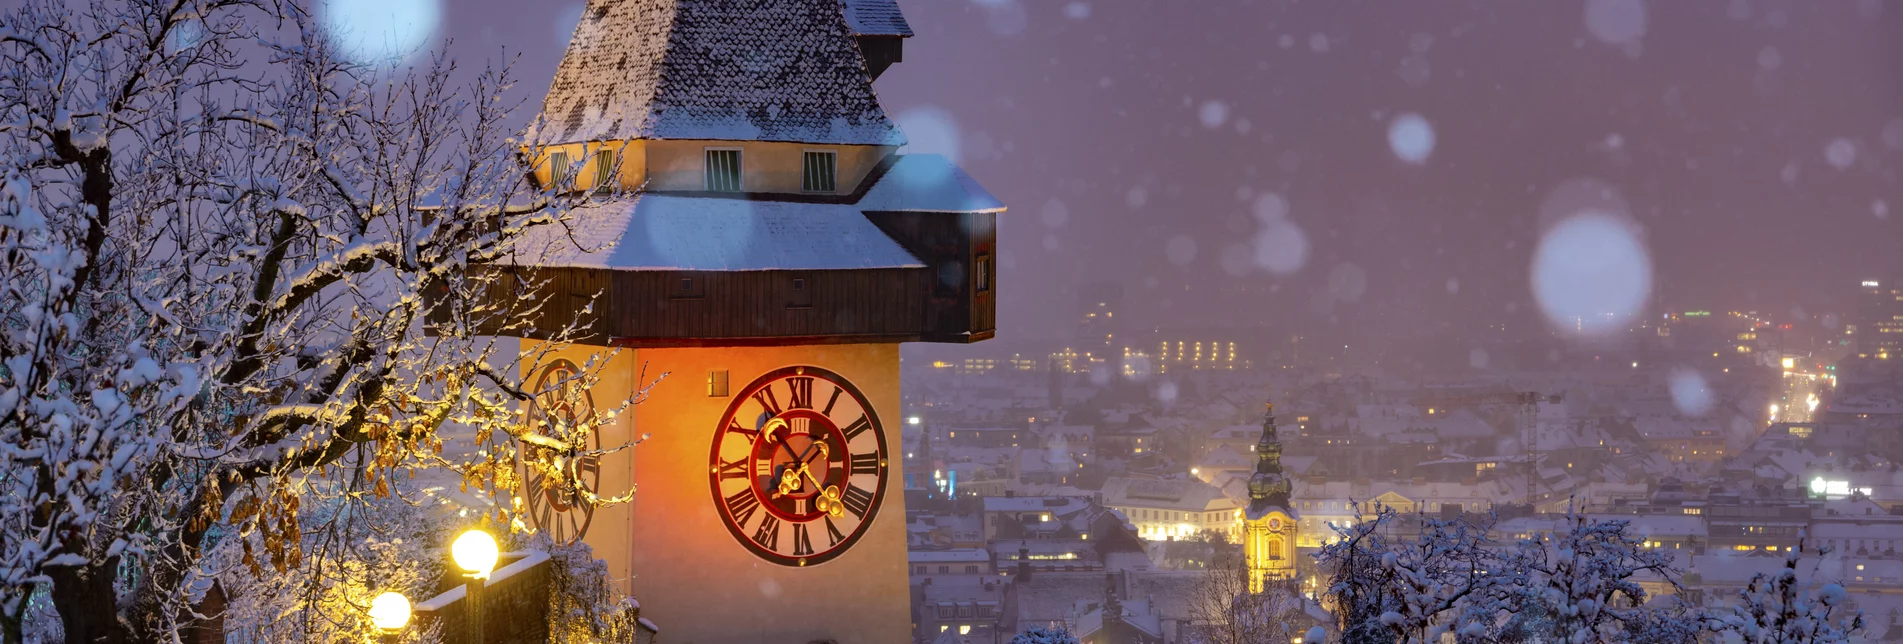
{"x": 798, "y": 466}
{"x": 561, "y": 505}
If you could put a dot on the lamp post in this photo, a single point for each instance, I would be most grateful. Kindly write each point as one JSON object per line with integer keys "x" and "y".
{"x": 390, "y": 612}
{"x": 476, "y": 552}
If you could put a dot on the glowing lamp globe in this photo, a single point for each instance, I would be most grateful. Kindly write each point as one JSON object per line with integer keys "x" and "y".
{"x": 476, "y": 552}
{"x": 390, "y": 611}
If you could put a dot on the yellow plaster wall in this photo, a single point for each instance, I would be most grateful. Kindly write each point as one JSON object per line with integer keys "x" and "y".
{"x": 632, "y": 159}
{"x": 669, "y": 547}
{"x": 766, "y": 166}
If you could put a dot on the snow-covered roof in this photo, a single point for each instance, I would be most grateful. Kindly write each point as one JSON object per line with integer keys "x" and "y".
{"x": 1055, "y": 504}
{"x": 765, "y": 70}
{"x": 1193, "y": 496}
{"x": 666, "y": 232}
{"x": 927, "y": 183}
{"x": 877, "y": 18}
{"x": 958, "y": 555}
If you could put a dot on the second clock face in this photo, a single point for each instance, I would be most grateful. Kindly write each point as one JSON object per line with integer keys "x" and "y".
{"x": 798, "y": 466}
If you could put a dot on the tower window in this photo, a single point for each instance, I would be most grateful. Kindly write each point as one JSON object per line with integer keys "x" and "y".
{"x": 821, "y": 170}
{"x": 983, "y": 278}
{"x": 558, "y": 169}
{"x": 723, "y": 170}
{"x": 717, "y": 386}
{"x": 801, "y": 296}
{"x": 604, "y": 169}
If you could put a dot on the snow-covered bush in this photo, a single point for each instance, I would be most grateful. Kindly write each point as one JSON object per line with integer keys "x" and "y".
{"x": 1043, "y": 635}
{"x": 1580, "y": 585}
{"x": 1577, "y": 585}
{"x": 1448, "y": 580}
{"x": 1783, "y": 608}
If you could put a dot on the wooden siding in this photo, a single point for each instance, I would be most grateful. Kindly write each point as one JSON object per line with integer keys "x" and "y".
{"x": 949, "y": 244}
{"x": 674, "y": 308}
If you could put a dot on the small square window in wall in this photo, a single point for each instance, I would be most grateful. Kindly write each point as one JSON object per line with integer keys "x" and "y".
{"x": 717, "y": 384}
{"x": 821, "y": 171}
{"x": 723, "y": 170}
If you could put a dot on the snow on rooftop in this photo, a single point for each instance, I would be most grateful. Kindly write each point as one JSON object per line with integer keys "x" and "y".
{"x": 877, "y": 18}
{"x": 662, "y": 232}
{"x": 927, "y": 183}
{"x": 767, "y": 70}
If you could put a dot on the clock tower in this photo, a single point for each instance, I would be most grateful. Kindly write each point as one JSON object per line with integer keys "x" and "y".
{"x": 1269, "y": 525}
{"x": 752, "y": 233}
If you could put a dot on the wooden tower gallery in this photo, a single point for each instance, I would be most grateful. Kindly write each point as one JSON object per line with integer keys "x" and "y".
{"x": 756, "y": 236}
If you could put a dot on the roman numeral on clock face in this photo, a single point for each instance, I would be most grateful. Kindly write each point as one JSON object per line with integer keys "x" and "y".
{"x": 802, "y": 544}
{"x": 857, "y": 427}
{"x": 734, "y": 427}
{"x": 769, "y": 532}
{"x": 865, "y": 463}
{"x": 857, "y": 501}
{"x": 767, "y": 400}
{"x": 832, "y": 400}
{"x": 802, "y": 392}
{"x": 733, "y": 469}
{"x": 741, "y": 506}
{"x": 832, "y": 533}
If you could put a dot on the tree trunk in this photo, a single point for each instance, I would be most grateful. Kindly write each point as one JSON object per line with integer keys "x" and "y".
{"x": 87, "y": 603}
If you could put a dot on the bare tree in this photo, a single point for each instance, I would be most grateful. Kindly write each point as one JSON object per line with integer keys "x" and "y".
{"x": 1223, "y": 611}
{"x": 235, "y": 279}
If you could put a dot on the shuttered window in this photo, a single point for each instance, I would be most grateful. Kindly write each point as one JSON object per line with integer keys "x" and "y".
{"x": 558, "y": 169}
{"x": 723, "y": 170}
{"x": 983, "y": 278}
{"x": 821, "y": 171}
{"x": 605, "y": 170}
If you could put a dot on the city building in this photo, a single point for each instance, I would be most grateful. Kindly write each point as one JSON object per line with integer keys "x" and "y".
{"x": 1269, "y": 525}
{"x": 756, "y": 235}
{"x": 1877, "y": 330}
{"x": 1097, "y": 324}
{"x": 1163, "y": 510}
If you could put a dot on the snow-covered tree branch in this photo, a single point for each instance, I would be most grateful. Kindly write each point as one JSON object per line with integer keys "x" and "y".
{"x": 235, "y": 279}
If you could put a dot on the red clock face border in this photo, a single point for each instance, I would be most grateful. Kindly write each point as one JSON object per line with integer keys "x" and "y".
{"x": 798, "y": 468}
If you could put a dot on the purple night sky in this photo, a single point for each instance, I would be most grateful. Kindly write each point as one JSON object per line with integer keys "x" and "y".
{"x": 1755, "y": 143}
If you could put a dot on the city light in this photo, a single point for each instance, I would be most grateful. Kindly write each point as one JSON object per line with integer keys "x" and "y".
{"x": 914, "y": 420}
{"x": 1790, "y": 363}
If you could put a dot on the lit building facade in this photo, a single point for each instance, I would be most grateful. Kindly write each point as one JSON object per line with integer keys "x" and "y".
{"x": 1270, "y": 525}
{"x": 1877, "y": 330}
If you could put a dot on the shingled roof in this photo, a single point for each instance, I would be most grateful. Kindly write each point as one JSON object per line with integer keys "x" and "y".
{"x": 731, "y": 70}
{"x": 877, "y": 18}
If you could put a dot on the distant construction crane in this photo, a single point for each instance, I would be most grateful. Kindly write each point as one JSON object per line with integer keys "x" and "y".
{"x": 1529, "y": 413}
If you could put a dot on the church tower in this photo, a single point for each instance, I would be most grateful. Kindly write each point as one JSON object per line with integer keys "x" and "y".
{"x": 1269, "y": 523}
{"x": 752, "y": 232}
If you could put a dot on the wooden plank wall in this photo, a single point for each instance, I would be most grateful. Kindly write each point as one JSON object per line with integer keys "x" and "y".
{"x": 637, "y": 305}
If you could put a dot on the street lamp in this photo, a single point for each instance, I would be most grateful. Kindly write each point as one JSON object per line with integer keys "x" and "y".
{"x": 476, "y": 552}
{"x": 390, "y": 612}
